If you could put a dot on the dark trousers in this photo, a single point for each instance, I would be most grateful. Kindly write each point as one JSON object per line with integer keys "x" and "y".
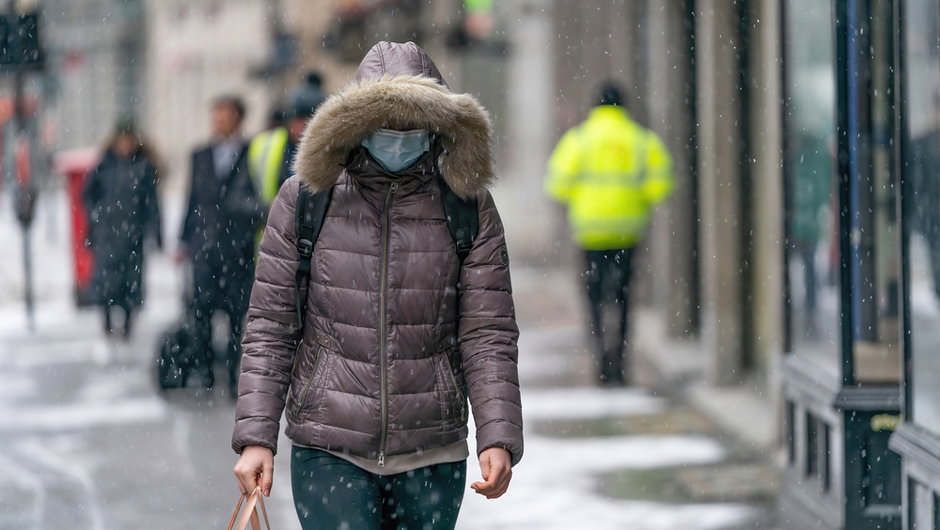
{"x": 607, "y": 279}
{"x": 203, "y": 311}
{"x": 331, "y": 493}
{"x": 221, "y": 286}
{"x": 128, "y": 310}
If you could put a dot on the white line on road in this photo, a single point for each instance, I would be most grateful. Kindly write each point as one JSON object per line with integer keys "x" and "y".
{"x": 64, "y": 466}
{"x": 30, "y": 482}
{"x": 83, "y": 416}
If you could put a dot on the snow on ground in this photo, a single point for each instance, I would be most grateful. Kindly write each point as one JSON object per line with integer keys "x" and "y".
{"x": 556, "y": 485}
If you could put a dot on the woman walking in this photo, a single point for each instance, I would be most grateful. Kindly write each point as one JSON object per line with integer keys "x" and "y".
{"x": 120, "y": 197}
{"x": 400, "y": 327}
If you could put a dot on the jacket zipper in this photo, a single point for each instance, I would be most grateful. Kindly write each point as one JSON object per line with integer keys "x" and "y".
{"x": 313, "y": 374}
{"x": 383, "y": 324}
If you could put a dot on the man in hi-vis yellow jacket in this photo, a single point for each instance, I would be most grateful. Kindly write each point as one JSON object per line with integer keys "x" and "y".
{"x": 610, "y": 172}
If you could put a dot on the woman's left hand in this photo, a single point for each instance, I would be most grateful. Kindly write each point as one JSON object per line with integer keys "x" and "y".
{"x": 496, "y": 467}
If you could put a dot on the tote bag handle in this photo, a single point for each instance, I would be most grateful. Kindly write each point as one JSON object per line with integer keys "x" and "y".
{"x": 250, "y": 513}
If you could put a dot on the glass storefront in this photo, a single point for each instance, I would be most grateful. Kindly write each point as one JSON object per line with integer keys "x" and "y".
{"x": 813, "y": 250}
{"x": 875, "y": 231}
{"x": 922, "y": 174}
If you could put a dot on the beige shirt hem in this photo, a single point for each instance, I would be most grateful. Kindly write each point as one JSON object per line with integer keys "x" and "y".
{"x": 395, "y": 464}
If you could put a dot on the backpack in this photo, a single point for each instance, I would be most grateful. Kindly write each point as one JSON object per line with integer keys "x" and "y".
{"x": 462, "y": 221}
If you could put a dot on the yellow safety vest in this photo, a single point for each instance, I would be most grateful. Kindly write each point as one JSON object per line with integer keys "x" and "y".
{"x": 265, "y": 155}
{"x": 610, "y": 172}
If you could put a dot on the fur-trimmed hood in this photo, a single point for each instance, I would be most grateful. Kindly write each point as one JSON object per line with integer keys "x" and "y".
{"x": 398, "y": 86}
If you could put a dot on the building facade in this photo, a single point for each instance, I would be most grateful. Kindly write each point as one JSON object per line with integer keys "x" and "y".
{"x": 197, "y": 51}
{"x": 96, "y": 59}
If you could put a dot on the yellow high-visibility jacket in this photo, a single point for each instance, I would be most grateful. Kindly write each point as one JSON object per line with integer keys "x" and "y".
{"x": 610, "y": 172}
{"x": 265, "y": 156}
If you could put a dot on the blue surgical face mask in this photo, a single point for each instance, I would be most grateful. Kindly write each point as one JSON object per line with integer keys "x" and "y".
{"x": 397, "y": 150}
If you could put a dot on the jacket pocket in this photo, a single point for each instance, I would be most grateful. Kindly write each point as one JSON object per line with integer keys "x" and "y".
{"x": 295, "y": 381}
{"x": 454, "y": 391}
{"x": 301, "y": 404}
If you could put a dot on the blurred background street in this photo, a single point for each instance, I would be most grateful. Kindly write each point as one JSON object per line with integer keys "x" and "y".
{"x": 784, "y": 309}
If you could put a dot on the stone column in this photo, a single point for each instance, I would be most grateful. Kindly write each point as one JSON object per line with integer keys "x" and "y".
{"x": 675, "y": 225}
{"x": 720, "y": 176}
{"x": 767, "y": 193}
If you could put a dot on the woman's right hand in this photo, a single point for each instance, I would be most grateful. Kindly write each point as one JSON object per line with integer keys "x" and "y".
{"x": 255, "y": 468}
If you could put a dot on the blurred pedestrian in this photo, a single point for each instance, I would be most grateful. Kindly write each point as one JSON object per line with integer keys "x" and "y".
{"x": 218, "y": 234}
{"x": 120, "y": 197}
{"x": 309, "y": 94}
{"x": 402, "y": 320}
{"x": 272, "y": 152}
{"x": 610, "y": 172}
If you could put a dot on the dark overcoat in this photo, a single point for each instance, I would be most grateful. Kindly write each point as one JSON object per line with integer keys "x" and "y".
{"x": 219, "y": 228}
{"x": 120, "y": 197}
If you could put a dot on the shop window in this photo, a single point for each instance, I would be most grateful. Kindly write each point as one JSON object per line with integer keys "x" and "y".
{"x": 922, "y": 207}
{"x": 812, "y": 201}
{"x": 812, "y": 446}
{"x": 818, "y": 463}
{"x": 875, "y": 233}
{"x": 921, "y": 512}
{"x": 936, "y": 512}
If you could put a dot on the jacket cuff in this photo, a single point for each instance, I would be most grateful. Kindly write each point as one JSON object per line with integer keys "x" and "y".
{"x": 260, "y": 435}
{"x": 502, "y": 434}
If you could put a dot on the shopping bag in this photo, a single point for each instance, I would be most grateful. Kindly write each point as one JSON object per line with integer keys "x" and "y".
{"x": 249, "y": 514}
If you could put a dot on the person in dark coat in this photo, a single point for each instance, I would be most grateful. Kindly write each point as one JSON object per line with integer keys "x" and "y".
{"x": 120, "y": 197}
{"x": 218, "y": 233}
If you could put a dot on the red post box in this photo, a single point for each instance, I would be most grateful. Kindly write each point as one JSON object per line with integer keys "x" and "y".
{"x": 75, "y": 166}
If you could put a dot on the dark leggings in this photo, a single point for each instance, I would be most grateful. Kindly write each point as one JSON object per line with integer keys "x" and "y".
{"x": 331, "y": 493}
{"x": 608, "y": 277}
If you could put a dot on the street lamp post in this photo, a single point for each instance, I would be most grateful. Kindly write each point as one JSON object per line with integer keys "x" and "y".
{"x": 21, "y": 51}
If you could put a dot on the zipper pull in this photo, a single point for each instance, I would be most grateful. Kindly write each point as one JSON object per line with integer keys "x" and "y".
{"x": 382, "y": 459}
{"x": 394, "y": 186}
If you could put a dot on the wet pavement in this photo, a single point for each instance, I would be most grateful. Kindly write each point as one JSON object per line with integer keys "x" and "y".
{"x": 87, "y": 442}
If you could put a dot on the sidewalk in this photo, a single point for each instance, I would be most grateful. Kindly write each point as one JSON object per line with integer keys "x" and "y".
{"x": 619, "y": 458}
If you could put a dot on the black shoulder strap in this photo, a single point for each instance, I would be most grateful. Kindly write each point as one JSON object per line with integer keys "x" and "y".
{"x": 308, "y": 220}
{"x": 463, "y": 219}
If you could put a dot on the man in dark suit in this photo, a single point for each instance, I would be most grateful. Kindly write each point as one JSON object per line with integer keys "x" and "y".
{"x": 218, "y": 234}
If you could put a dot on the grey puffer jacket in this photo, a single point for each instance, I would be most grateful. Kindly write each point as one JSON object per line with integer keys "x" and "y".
{"x": 397, "y": 335}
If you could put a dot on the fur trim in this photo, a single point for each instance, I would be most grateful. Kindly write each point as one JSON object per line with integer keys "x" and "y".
{"x": 347, "y": 118}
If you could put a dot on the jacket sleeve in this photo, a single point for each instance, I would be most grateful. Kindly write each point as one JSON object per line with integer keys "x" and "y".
{"x": 659, "y": 182}
{"x": 152, "y": 205}
{"x": 488, "y": 336}
{"x": 271, "y": 331}
{"x": 189, "y": 217}
{"x": 564, "y": 167}
{"x": 243, "y": 204}
{"x": 91, "y": 193}
{"x": 91, "y": 196}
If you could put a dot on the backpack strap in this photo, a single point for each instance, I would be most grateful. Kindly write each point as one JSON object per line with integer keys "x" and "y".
{"x": 463, "y": 219}
{"x": 308, "y": 220}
